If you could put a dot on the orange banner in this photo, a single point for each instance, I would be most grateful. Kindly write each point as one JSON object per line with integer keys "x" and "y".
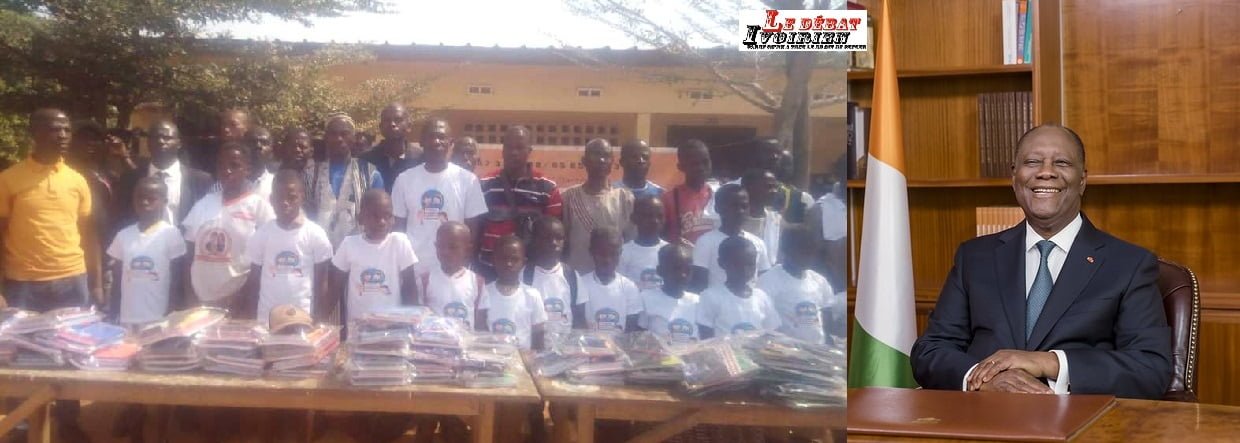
{"x": 563, "y": 164}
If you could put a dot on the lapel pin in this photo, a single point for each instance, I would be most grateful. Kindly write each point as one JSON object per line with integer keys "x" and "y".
{"x": 1089, "y": 259}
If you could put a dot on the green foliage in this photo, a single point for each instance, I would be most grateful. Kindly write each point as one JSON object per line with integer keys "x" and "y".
{"x": 94, "y": 58}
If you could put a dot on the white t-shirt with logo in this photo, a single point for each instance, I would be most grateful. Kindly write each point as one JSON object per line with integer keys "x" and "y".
{"x": 728, "y": 314}
{"x": 514, "y": 314}
{"x": 219, "y": 231}
{"x": 799, "y": 301}
{"x": 706, "y": 255}
{"x": 374, "y": 271}
{"x": 557, "y": 297}
{"x": 452, "y": 296}
{"x": 607, "y": 305}
{"x": 675, "y": 320}
{"x": 146, "y": 271}
{"x": 427, "y": 199}
{"x": 287, "y": 258}
{"x": 638, "y": 263}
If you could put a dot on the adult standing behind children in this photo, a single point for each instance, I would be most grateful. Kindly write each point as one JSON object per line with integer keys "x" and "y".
{"x": 435, "y": 192}
{"x": 594, "y": 204}
{"x": 635, "y": 159}
{"x": 517, "y": 195}
{"x": 686, "y": 205}
{"x": 336, "y": 187}
{"x": 186, "y": 185}
{"x": 395, "y": 154}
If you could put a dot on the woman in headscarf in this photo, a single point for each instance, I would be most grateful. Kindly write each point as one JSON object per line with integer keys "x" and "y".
{"x": 337, "y": 184}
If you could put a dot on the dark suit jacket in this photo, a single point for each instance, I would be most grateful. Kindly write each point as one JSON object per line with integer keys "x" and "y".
{"x": 194, "y": 185}
{"x": 1106, "y": 315}
{"x": 389, "y": 170}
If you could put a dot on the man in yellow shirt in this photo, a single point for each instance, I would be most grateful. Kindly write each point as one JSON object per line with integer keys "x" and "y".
{"x": 48, "y": 238}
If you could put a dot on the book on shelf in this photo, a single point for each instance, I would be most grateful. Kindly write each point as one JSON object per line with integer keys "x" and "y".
{"x": 1017, "y": 33}
{"x": 996, "y": 219}
{"x": 1001, "y": 119}
{"x": 858, "y": 123}
{"x": 864, "y": 59}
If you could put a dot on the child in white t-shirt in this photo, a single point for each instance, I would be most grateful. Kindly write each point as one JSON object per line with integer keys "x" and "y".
{"x": 289, "y": 255}
{"x": 670, "y": 312}
{"x": 144, "y": 256}
{"x": 544, "y": 272}
{"x": 508, "y": 306}
{"x": 640, "y": 257}
{"x": 374, "y": 269}
{"x": 451, "y": 289}
{"x": 732, "y": 204}
{"x": 737, "y": 306}
{"x": 800, "y": 295}
{"x": 606, "y": 300}
{"x": 218, "y": 228}
{"x": 435, "y": 192}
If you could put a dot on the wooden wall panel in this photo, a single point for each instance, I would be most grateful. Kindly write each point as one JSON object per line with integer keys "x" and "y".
{"x": 948, "y": 33}
{"x": 1219, "y": 358}
{"x": 940, "y": 121}
{"x": 1151, "y": 86}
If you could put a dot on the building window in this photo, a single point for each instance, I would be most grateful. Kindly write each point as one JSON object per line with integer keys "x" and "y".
{"x": 701, "y": 94}
{"x": 479, "y": 90}
{"x": 589, "y": 92}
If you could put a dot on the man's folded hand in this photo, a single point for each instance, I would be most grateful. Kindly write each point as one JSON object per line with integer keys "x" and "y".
{"x": 1037, "y": 364}
{"x": 1016, "y": 380}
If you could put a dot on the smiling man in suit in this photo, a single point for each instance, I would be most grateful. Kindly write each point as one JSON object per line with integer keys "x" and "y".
{"x": 1053, "y": 305}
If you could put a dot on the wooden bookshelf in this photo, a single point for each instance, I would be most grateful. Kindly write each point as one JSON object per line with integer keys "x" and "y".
{"x": 968, "y": 71}
{"x": 1094, "y": 180}
{"x": 1150, "y": 88}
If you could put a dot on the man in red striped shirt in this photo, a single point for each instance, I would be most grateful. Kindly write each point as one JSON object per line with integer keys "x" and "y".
{"x": 516, "y": 196}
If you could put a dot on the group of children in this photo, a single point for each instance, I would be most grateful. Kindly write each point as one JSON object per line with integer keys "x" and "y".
{"x": 248, "y": 253}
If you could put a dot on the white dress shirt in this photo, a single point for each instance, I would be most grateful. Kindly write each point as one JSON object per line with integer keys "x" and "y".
{"x": 172, "y": 179}
{"x": 1054, "y": 262}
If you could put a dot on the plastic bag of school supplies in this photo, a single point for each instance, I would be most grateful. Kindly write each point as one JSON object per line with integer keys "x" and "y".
{"x": 718, "y": 364}
{"x": 651, "y": 362}
{"x": 798, "y": 373}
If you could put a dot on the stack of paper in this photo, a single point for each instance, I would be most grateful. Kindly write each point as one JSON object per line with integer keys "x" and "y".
{"x": 116, "y": 357}
{"x": 302, "y": 354}
{"x": 798, "y": 373}
{"x": 42, "y": 340}
{"x": 174, "y": 354}
{"x": 584, "y": 357}
{"x": 651, "y": 362}
{"x": 717, "y": 365}
{"x": 489, "y": 361}
{"x": 168, "y": 346}
{"x": 231, "y": 347}
{"x": 380, "y": 345}
{"x": 438, "y": 344}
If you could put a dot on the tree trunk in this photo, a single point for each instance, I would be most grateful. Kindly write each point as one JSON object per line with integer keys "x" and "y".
{"x": 799, "y": 68}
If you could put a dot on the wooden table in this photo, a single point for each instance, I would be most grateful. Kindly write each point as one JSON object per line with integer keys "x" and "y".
{"x": 1144, "y": 421}
{"x": 41, "y": 386}
{"x": 674, "y": 413}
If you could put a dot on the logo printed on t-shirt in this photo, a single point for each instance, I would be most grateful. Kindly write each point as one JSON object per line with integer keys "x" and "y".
{"x": 287, "y": 263}
{"x": 504, "y": 326}
{"x": 649, "y": 279}
{"x": 555, "y": 310}
{"x": 214, "y": 244}
{"x": 456, "y": 310}
{"x": 807, "y": 314}
{"x": 681, "y": 330}
{"x": 432, "y": 207}
{"x": 373, "y": 281}
{"x": 743, "y": 327}
{"x": 142, "y": 268}
{"x": 607, "y": 319}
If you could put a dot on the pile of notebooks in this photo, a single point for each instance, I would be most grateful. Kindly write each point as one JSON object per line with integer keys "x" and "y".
{"x": 584, "y": 357}
{"x": 798, "y": 373}
{"x": 651, "y": 362}
{"x": 436, "y": 350}
{"x": 168, "y": 345}
{"x": 380, "y": 345}
{"x": 720, "y": 364}
{"x": 231, "y": 347}
{"x": 301, "y": 353}
{"x": 489, "y": 361}
{"x": 73, "y": 335}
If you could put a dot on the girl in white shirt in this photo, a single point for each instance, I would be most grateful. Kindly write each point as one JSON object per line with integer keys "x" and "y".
{"x": 218, "y": 228}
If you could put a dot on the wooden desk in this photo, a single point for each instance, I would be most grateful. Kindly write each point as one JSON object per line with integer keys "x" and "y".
{"x": 1144, "y": 421}
{"x": 674, "y": 413}
{"x": 41, "y": 386}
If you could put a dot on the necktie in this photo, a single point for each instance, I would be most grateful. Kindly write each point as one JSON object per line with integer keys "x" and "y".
{"x": 1041, "y": 289}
